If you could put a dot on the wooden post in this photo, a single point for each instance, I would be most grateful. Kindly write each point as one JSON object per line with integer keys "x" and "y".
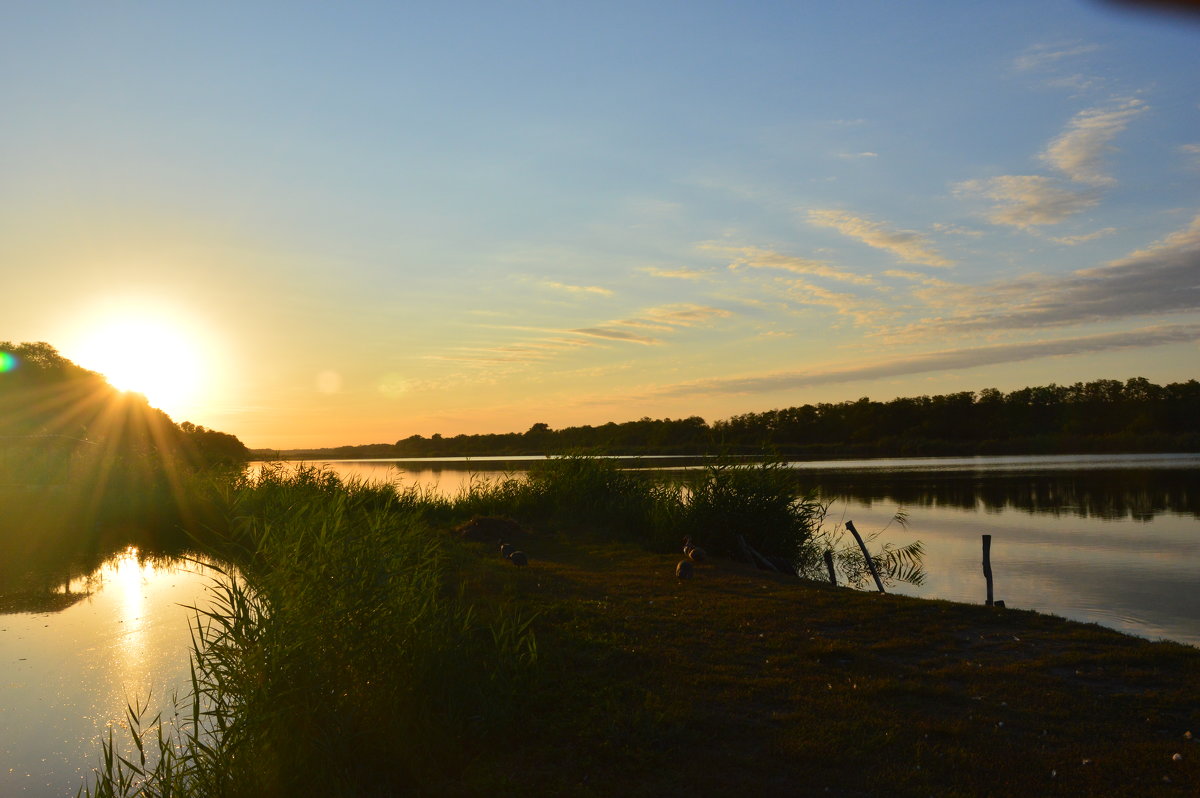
{"x": 866, "y": 556}
{"x": 987, "y": 566}
{"x": 829, "y": 565}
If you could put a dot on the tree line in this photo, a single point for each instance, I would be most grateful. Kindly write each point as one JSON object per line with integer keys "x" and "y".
{"x": 1100, "y": 416}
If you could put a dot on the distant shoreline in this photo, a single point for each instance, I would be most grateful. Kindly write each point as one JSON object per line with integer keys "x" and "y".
{"x": 1106, "y": 445}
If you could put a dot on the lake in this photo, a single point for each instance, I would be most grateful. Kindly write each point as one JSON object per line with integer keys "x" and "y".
{"x": 1113, "y": 540}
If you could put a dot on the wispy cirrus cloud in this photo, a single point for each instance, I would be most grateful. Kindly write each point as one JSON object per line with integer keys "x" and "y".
{"x": 1029, "y": 201}
{"x": 758, "y": 258}
{"x": 805, "y": 292}
{"x": 1025, "y": 201}
{"x": 942, "y": 360}
{"x": 956, "y": 230}
{"x": 1042, "y": 55}
{"x": 1085, "y": 237}
{"x": 918, "y": 277}
{"x": 681, "y": 273}
{"x": 907, "y": 245}
{"x": 1162, "y": 279}
{"x": 1077, "y": 152}
{"x": 616, "y": 334}
{"x": 662, "y": 318}
{"x": 684, "y": 314}
{"x": 576, "y": 289}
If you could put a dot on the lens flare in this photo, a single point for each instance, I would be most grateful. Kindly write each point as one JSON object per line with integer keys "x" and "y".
{"x": 7, "y": 362}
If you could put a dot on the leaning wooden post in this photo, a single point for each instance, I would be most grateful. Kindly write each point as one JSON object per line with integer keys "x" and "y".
{"x": 866, "y": 556}
{"x": 829, "y": 565}
{"x": 987, "y": 566}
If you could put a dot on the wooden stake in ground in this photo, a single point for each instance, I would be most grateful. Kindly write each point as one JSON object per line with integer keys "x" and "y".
{"x": 866, "y": 556}
{"x": 987, "y": 566}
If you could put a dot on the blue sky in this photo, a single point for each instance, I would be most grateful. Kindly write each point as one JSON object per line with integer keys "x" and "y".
{"x": 381, "y": 219}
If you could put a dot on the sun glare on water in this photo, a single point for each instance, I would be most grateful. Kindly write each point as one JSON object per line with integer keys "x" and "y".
{"x": 148, "y": 354}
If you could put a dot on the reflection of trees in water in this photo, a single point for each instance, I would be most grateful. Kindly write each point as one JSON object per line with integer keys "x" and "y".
{"x": 1139, "y": 495}
{"x": 46, "y": 544}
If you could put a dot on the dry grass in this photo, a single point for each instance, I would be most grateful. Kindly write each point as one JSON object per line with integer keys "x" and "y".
{"x": 741, "y": 682}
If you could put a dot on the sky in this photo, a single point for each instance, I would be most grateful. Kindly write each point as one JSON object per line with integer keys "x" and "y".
{"x": 316, "y": 224}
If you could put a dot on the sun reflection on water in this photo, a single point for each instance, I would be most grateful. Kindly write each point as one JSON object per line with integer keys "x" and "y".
{"x": 129, "y": 575}
{"x": 71, "y": 673}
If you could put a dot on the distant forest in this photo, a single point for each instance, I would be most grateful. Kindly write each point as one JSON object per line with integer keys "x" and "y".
{"x": 1104, "y": 416}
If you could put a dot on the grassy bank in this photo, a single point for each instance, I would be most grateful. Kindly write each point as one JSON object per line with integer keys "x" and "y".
{"x": 741, "y": 682}
{"x": 374, "y": 644}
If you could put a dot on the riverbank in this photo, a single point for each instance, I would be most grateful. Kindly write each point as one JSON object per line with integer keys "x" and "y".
{"x": 743, "y": 682}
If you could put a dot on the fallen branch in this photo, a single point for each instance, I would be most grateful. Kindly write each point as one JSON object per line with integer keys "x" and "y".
{"x": 756, "y": 558}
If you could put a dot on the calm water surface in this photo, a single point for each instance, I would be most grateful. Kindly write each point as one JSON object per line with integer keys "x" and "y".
{"x": 66, "y": 677}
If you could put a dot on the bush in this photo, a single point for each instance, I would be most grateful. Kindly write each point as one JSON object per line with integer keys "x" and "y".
{"x": 759, "y": 503}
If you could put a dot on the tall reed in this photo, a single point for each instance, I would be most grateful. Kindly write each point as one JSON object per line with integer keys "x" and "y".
{"x": 337, "y": 657}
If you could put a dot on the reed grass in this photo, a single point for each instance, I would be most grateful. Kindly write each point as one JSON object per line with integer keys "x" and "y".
{"x": 338, "y": 656}
{"x": 346, "y": 651}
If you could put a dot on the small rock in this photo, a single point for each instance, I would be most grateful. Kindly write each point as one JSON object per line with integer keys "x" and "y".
{"x": 684, "y": 569}
{"x": 1177, "y": 757}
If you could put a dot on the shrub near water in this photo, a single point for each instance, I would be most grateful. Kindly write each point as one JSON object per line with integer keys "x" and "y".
{"x": 338, "y": 662}
{"x": 758, "y": 503}
{"x": 579, "y": 493}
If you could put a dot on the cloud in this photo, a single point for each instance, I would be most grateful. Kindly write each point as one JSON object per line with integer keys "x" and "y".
{"x": 1192, "y": 151}
{"x": 804, "y": 292}
{"x": 1076, "y": 82}
{"x": 1079, "y": 239}
{"x": 685, "y": 314}
{"x": 1077, "y": 151}
{"x": 577, "y": 289}
{"x": 664, "y": 318}
{"x": 617, "y": 335}
{"x": 857, "y": 155}
{"x": 943, "y": 360}
{"x": 756, "y": 258}
{"x": 681, "y": 273}
{"x": 1040, "y": 56}
{"x": 955, "y": 230}
{"x": 1161, "y": 279}
{"x": 550, "y": 341}
{"x": 909, "y": 246}
{"x": 918, "y": 277}
{"x": 1027, "y": 200}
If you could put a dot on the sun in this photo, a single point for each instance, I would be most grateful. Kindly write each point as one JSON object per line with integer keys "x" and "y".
{"x": 146, "y": 352}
